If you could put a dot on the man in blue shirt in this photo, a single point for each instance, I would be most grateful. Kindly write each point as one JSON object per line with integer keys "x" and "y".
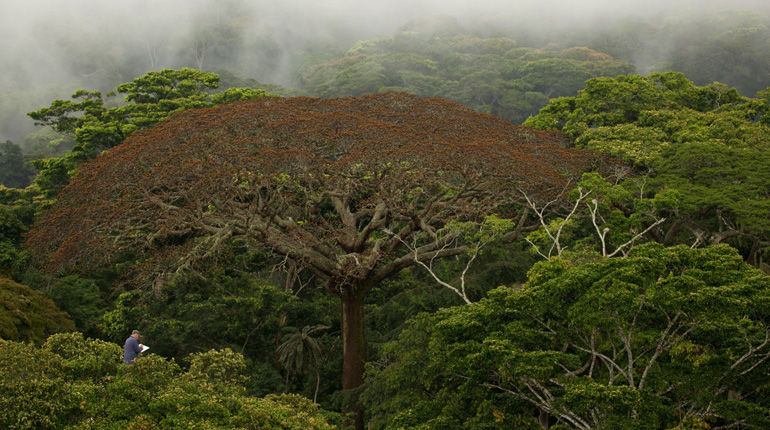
{"x": 132, "y": 348}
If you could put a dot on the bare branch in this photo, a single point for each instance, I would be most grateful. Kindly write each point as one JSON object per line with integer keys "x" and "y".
{"x": 554, "y": 236}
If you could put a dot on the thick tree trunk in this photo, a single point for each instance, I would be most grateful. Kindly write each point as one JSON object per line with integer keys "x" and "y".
{"x": 353, "y": 350}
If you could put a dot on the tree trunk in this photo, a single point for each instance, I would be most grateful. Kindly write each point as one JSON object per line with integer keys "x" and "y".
{"x": 317, "y": 383}
{"x": 288, "y": 285}
{"x": 752, "y": 257}
{"x": 353, "y": 351}
{"x": 672, "y": 230}
{"x": 544, "y": 419}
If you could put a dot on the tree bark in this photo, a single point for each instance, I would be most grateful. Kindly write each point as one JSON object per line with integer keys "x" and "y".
{"x": 353, "y": 350}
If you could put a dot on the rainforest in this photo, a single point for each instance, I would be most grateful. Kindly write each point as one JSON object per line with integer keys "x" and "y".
{"x": 408, "y": 215}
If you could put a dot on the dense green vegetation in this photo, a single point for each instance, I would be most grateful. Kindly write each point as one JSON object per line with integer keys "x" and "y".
{"x": 28, "y": 315}
{"x": 707, "y": 148}
{"x": 605, "y": 269}
{"x": 723, "y": 47}
{"x": 71, "y": 382}
{"x": 436, "y": 58}
{"x": 664, "y": 337}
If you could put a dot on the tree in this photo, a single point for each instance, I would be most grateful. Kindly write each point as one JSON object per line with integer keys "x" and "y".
{"x": 300, "y": 352}
{"x": 597, "y": 209}
{"x": 13, "y": 173}
{"x": 217, "y": 32}
{"x": 17, "y": 213}
{"x": 555, "y": 76}
{"x": 337, "y": 185}
{"x": 97, "y": 127}
{"x": 83, "y": 301}
{"x": 608, "y": 102}
{"x": 656, "y": 340}
{"x": 705, "y": 148}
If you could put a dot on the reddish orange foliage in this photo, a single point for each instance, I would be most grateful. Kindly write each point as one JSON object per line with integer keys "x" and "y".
{"x": 310, "y": 178}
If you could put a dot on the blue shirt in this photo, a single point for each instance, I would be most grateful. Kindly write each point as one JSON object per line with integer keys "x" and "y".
{"x": 131, "y": 350}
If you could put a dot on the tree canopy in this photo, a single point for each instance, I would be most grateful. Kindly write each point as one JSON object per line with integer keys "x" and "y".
{"x": 705, "y": 147}
{"x": 664, "y": 338}
{"x": 28, "y": 315}
{"x": 354, "y": 189}
{"x": 72, "y": 382}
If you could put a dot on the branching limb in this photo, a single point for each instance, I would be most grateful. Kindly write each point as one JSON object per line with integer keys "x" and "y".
{"x": 593, "y": 209}
{"x": 554, "y": 236}
{"x": 413, "y": 250}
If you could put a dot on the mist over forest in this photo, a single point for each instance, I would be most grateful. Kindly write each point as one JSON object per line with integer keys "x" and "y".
{"x": 54, "y": 47}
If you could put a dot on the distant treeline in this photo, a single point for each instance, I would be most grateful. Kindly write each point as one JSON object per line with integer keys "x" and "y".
{"x": 476, "y": 65}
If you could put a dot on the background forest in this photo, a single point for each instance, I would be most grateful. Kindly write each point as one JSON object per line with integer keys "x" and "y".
{"x": 525, "y": 217}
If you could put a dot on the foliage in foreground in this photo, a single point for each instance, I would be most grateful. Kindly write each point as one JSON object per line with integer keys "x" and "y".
{"x": 76, "y": 383}
{"x": 663, "y": 338}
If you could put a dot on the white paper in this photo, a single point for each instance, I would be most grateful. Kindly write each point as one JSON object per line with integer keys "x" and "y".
{"x": 144, "y": 348}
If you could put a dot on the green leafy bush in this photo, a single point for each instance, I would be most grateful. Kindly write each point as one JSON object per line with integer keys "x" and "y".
{"x": 28, "y": 315}
{"x": 76, "y": 383}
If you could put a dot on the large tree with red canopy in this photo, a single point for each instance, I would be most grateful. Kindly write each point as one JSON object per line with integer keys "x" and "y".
{"x": 354, "y": 189}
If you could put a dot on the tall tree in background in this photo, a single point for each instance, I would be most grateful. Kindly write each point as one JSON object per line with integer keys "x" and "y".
{"x": 355, "y": 190}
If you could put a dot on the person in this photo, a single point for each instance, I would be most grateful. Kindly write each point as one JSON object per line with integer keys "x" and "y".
{"x": 132, "y": 348}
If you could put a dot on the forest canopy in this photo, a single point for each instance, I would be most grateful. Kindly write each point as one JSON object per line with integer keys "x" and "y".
{"x": 438, "y": 58}
{"x": 665, "y": 338}
{"x": 319, "y": 223}
{"x": 708, "y": 146}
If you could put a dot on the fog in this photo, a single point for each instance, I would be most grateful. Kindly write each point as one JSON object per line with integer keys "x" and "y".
{"x": 51, "y": 47}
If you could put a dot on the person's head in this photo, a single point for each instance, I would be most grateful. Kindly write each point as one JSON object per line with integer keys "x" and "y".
{"x": 135, "y": 334}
